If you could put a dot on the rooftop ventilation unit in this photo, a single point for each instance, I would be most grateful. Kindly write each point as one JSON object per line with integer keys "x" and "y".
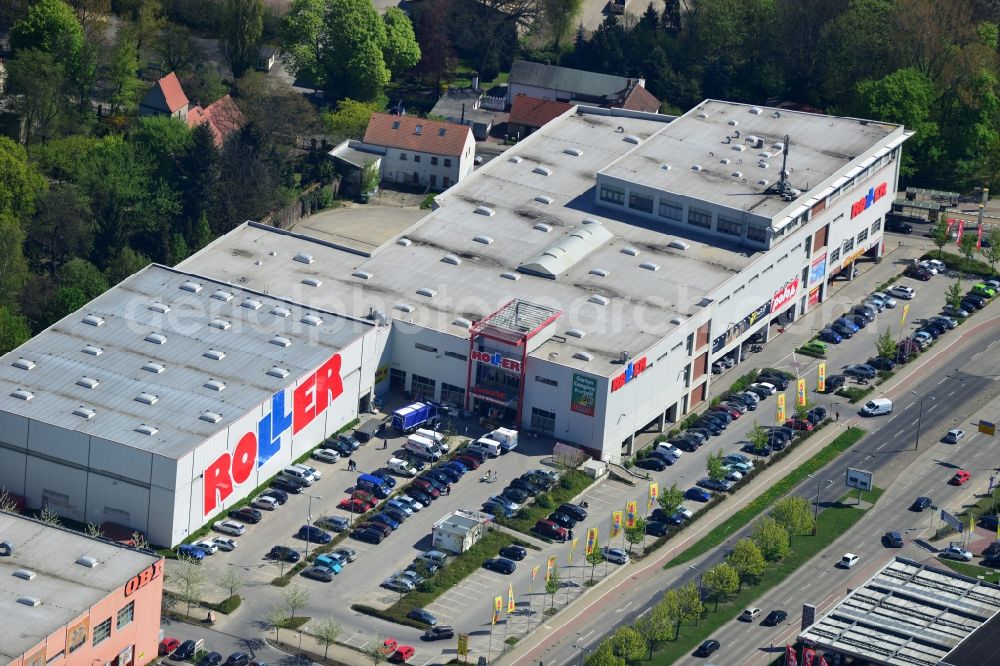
{"x": 221, "y": 295}
{"x": 510, "y": 276}
{"x": 703, "y": 115}
{"x": 583, "y": 356}
{"x": 85, "y": 412}
{"x": 363, "y": 275}
{"x": 93, "y": 320}
{"x": 88, "y": 561}
{"x": 215, "y": 354}
{"x": 677, "y": 321}
{"x": 630, "y": 251}
{"x": 598, "y": 299}
{"x": 451, "y": 259}
{"x": 462, "y": 322}
{"x": 148, "y": 430}
{"x": 304, "y": 258}
{"x": 485, "y": 240}
{"x": 762, "y": 164}
{"x": 220, "y": 324}
{"x": 312, "y": 282}
{"x": 762, "y": 182}
{"x": 91, "y": 350}
{"x": 631, "y": 138}
{"x": 541, "y": 226}
{"x": 725, "y": 160}
{"x": 590, "y": 220}
{"x": 275, "y": 371}
{"x": 696, "y": 167}
{"x": 311, "y": 320}
{"x": 542, "y": 171}
{"x": 737, "y": 174}
{"x": 649, "y": 266}
{"x": 152, "y": 366}
{"x": 665, "y": 167}
{"x": 156, "y": 338}
{"x": 516, "y": 159}
{"x": 211, "y": 417}
{"x": 251, "y": 304}
{"x": 280, "y": 341}
{"x": 777, "y": 145}
{"x": 739, "y": 147}
{"x": 485, "y": 210}
{"x": 29, "y": 601}
{"x": 193, "y": 287}
{"x": 426, "y": 291}
{"x": 214, "y": 385}
{"x": 734, "y": 123}
{"x": 575, "y": 152}
{"x": 679, "y": 245}
{"x": 161, "y": 308}
{"x": 599, "y": 272}
{"x": 575, "y": 333}
{"x": 543, "y": 199}
{"x": 24, "y": 574}
{"x": 279, "y": 311}
{"x": 147, "y": 398}
{"x": 22, "y": 394}
{"x": 24, "y": 364}
{"x": 403, "y": 307}
{"x": 756, "y": 110}
{"x": 405, "y": 242}
{"x": 87, "y": 382}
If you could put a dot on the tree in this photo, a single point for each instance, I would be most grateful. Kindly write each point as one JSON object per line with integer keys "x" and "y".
{"x": 60, "y": 230}
{"x": 658, "y": 625}
{"x": 326, "y": 632}
{"x": 370, "y": 178}
{"x": 123, "y": 83}
{"x": 243, "y": 24}
{"x": 376, "y": 649}
{"x": 198, "y": 169}
{"x": 37, "y": 81}
{"x": 274, "y": 619}
{"x": 552, "y": 586}
{"x": 671, "y": 499}
{"x": 176, "y": 49}
{"x": 636, "y": 534}
{"x": 125, "y": 263}
{"x": 628, "y": 644}
{"x": 991, "y": 248}
{"x": 794, "y": 514}
{"x": 759, "y": 437}
{"x": 689, "y": 602}
{"x": 14, "y": 330}
{"x": 885, "y": 345}
{"x": 232, "y": 580}
{"x": 721, "y": 581}
{"x": 85, "y": 276}
{"x": 968, "y": 248}
{"x": 771, "y": 538}
{"x": 20, "y": 182}
{"x": 350, "y": 119}
{"x": 560, "y": 17}
{"x": 49, "y": 26}
{"x": 593, "y": 559}
{"x": 293, "y": 599}
{"x": 939, "y": 234}
{"x": 190, "y": 580}
{"x": 49, "y": 516}
{"x": 438, "y": 59}
{"x": 13, "y": 267}
{"x": 302, "y": 35}
{"x": 604, "y": 655}
{"x": 715, "y": 467}
{"x": 149, "y": 20}
{"x": 401, "y": 51}
{"x": 7, "y": 503}
{"x": 747, "y": 560}
{"x": 954, "y": 294}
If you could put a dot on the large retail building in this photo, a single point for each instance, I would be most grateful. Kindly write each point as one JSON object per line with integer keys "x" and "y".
{"x": 579, "y": 285}
{"x": 75, "y": 600}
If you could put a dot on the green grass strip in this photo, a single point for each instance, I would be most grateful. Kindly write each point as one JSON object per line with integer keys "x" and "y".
{"x": 744, "y": 516}
{"x": 831, "y": 523}
{"x": 971, "y": 570}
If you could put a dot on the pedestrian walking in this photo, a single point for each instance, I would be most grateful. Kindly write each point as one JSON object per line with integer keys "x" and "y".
{"x": 385, "y": 444}
{"x": 836, "y": 416}
{"x": 447, "y": 489}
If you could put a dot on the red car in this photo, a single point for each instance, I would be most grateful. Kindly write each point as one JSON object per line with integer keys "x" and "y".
{"x": 798, "y": 424}
{"x": 468, "y": 461}
{"x": 961, "y": 476}
{"x": 732, "y": 411}
{"x": 365, "y": 497}
{"x": 427, "y": 487}
{"x": 403, "y": 652}
{"x": 168, "y": 645}
{"x": 352, "y": 505}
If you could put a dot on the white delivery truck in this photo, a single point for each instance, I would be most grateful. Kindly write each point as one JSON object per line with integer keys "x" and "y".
{"x": 422, "y": 448}
{"x": 435, "y": 437}
{"x": 506, "y": 437}
{"x": 487, "y": 446}
{"x": 877, "y": 407}
{"x": 401, "y": 467}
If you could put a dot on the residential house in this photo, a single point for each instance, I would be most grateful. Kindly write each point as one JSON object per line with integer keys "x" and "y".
{"x": 528, "y": 114}
{"x": 462, "y": 106}
{"x": 267, "y": 57}
{"x": 222, "y": 116}
{"x": 419, "y": 151}
{"x": 165, "y": 98}
{"x": 563, "y": 84}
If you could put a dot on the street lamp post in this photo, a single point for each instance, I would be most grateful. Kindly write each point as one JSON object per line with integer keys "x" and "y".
{"x": 582, "y": 651}
{"x": 309, "y": 518}
{"x": 815, "y": 502}
{"x": 920, "y": 416}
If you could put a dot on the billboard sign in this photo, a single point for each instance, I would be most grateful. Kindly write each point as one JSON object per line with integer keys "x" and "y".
{"x": 865, "y": 202}
{"x": 987, "y": 428}
{"x": 952, "y": 522}
{"x": 496, "y": 359}
{"x": 817, "y": 270}
{"x": 740, "y": 327}
{"x": 784, "y": 296}
{"x": 859, "y": 478}
{"x": 583, "y": 397}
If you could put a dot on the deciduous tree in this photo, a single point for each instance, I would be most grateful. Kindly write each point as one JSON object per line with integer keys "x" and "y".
{"x": 759, "y": 437}
{"x": 190, "y": 579}
{"x": 628, "y": 644}
{"x": 747, "y": 560}
{"x": 721, "y": 581}
{"x": 50, "y": 26}
{"x": 438, "y": 59}
{"x": 326, "y": 632}
{"x": 771, "y": 538}
{"x": 83, "y": 275}
{"x": 671, "y": 499}
{"x": 38, "y": 82}
{"x": 232, "y": 581}
{"x": 885, "y": 345}
{"x": 14, "y": 332}
{"x": 968, "y": 247}
{"x": 635, "y": 534}
{"x": 604, "y": 655}
{"x": 954, "y": 294}
{"x": 714, "y": 466}
{"x": 294, "y": 598}
{"x": 122, "y": 81}
{"x": 244, "y": 23}
{"x": 401, "y": 51}
{"x": 794, "y": 514}
{"x": 991, "y": 248}
{"x": 691, "y": 608}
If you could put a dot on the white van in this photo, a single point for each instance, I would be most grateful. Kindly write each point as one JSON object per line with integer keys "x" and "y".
{"x": 401, "y": 467}
{"x": 506, "y": 437}
{"x": 877, "y": 407}
{"x": 423, "y": 447}
{"x": 299, "y": 474}
{"x": 435, "y": 437}
{"x": 487, "y": 446}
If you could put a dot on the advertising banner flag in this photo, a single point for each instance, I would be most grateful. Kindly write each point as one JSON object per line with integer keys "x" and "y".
{"x": 822, "y": 661}
{"x": 791, "y": 659}
{"x": 531, "y": 583}
{"x": 549, "y": 566}
{"x": 616, "y": 523}
{"x": 497, "y": 608}
{"x": 958, "y": 241}
{"x": 572, "y": 549}
{"x": 654, "y": 492}
{"x": 780, "y": 415}
{"x": 591, "y": 540}
{"x": 631, "y": 513}
{"x": 951, "y": 223}
{"x": 821, "y": 378}
{"x": 511, "y": 607}
{"x": 583, "y": 396}
{"x": 800, "y": 392}
{"x": 808, "y": 656}
{"x": 979, "y": 237}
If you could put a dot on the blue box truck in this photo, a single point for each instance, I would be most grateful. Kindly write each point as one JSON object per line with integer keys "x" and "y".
{"x": 413, "y": 416}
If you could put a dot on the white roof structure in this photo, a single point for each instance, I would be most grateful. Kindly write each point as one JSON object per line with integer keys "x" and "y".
{"x": 166, "y": 359}
{"x": 907, "y": 614}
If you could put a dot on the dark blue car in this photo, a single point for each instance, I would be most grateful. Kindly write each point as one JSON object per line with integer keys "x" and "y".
{"x": 457, "y": 466}
{"x": 497, "y": 509}
{"x": 386, "y": 477}
{"x": 698, "y": 494}
{"x": 829, "y": 335}
{"x": 313, "y": 534}
{"x": 387, "y": 519}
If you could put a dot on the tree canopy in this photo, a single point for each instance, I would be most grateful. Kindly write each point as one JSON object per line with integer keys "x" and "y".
{"x": 49, "y": 26}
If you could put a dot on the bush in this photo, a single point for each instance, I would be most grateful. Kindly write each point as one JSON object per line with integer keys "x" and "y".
{"x": 228, "y": 605}
{"x": 958, "y": 263}
{"x": 428, "y": 202}
{"x": 809, "y": 352}
{"x": 854, "y": 393}
{"x": 543, "y": 501}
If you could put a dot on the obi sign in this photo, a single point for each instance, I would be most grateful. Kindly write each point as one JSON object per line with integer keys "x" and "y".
{"x": 784, "y": 295}
{"x": 497, "y": 360}
{"x": 865, "y": 202}
{"x": 634, "y": 369}
{"x": 309, "y": 400}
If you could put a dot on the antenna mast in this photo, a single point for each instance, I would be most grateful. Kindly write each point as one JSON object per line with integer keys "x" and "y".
{"x": 783, "y": 188}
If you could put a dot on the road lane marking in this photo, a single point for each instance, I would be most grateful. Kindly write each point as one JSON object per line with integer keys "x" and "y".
{"x": 879, "y": 448}
{"x": 943, "y": 380}
{"x": 910, "y": 405}
{"x": 952, "y": 392}
{"x": 931, "y": 408}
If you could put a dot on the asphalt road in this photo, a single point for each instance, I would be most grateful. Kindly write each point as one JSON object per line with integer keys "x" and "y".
{"x": 958, "y": 392}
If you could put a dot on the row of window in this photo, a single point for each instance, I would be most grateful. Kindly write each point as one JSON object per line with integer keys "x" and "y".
{"x": 434, "y": 160}
{"x": 546, "y": 380}
{"x": 427, "y": 348}
{"x": 102, "y": 631}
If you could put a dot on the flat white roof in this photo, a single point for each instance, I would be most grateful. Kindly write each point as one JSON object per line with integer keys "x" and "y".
{"x": 163, "y": 348}
{"x": 64, "y": 588}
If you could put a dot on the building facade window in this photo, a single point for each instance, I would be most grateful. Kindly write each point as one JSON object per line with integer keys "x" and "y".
{"x": 729, "y": 226}
{"x": 834, "y": 255}
{"x": 126, "y": 615}
{"x": 612, "y": 195}
{"x": 671, "y": 211}
{"x": 402, "y": 157}
{"x": 546, "y": 380}
{"x": 453, "y": 394}
{"x": 447, "y": 181}
{"x": 434, "y": 161}
{"x": 427, "y": 348}
{"x": 848, "y": 245}
{"x": 863, "y": 236}
{"x": 447, "y": 162}
{"x": 416, "y": 158}
{"x": 700, "y": 218}
{"x": 876, "y": 225}
{"x": 102, "y": 632}
{"x": 757, "y": 233}
{"x": 543, "y": 420}
{"x": 640, "y": 202}
{"x": 423, "y": 388}
{"x": 460, "y": 357}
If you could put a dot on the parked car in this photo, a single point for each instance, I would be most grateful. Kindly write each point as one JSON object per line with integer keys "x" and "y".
{"x": 313, "y": 534}
{"x": 224, "y": 544}
{"x": 551, "y": 530}
{"x": 889, "y": 301}
{"x": 948, "y": 322}
{"x": 516, "y": 553}
{"x": 168, "y": 646}
{"x": 616, "y": 555}
{"x": 323, "y": 574}
{"x": 881, "y": 363}
{"x": 207, "y": 546}
{"x": 500, "y": 565}
{"x": 422, "y": 615}
{"x": 848, "y": 561}
{"x": 861, "y": 370}
{"x": 287, "y": 485}
{"x": 438, "y": 633}
{"x": 842, "y": 329}
{"x": 326, "y": 455}
{"x": 770, "y": 387}
{"x": 720, "y": 485}
{"x": 749, "y": 614}
{"x": 952, "y": 311}
{"x": 651, "y": 463}
{"x": 656, "y": 529}
{"x": 892, "y": 539}
{"x": 211, "y": 659}
{"x": 697, "y": 494}
{"x": 902, "y": 291}
{"x": 918, "y": 272}
{"x": 749, "y": 447}
{"x": 283, "y": 553}
{"x": 978, "y": 301}
{"x": 574, "y": 510}
{"x": 230, "y": 527}
{"x": 185, "y": 652}
{"x": 830, "y": 335}
{"x": 397, "y": 584}
{"x": 562, "y": 520}
{"x": 368, "y": 535}
{"x": 984, "y": 290}
{"x": 265, "y": 502}
{"x": 956, "y": 553}
{"x": 953, "y": 436}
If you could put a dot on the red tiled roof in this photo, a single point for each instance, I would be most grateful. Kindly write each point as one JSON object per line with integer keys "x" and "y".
{"x": 172, "y": 92}
{"x": 640, "y": 99}
{"x": 223, "y": 118}
{"x": 534, "y": 112}
{"x": 434, "y": 136}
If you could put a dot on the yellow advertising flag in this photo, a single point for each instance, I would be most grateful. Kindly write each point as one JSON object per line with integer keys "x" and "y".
{"x": 511, "y": 607}
{"x": 591, "y": 540}
{"x": 616, "y": 523}
{"x": 531, "y": 583}
{"x": 497, "y": 608}
{"x": 572, "y": 549}
{"x": 631, "y": 514}
{"x": 780, "y": 415}
{"x": 549, "y": 565}
{"x": 800, "y": 393}
{"x": 821, "y": 378}
{"x": 906, "y": 311}
{"x": 654, "y": 490}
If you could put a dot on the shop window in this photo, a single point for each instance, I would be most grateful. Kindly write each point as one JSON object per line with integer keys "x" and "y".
{"x": 671, "y": 211}
{"x": 700, "y": 218}
{"x": 543, "y": 421}
{"x": 126, "y": 615}
{"x": 848, "y": 245}
{"x": 640, "y": 202}
{"x": 397, "y": 379}
{"x": 423, "y": 388}
{"x": 427, "y": 348}
{"x": 460, "y": 357}
{"x": 612, "y": 195}
{"x": 102, "y": 632}
{"x": 863, "y": 236}
{"x": 877, "y": 225}
{"x": 452, "y": 394}
{"x": 729, "y": 226}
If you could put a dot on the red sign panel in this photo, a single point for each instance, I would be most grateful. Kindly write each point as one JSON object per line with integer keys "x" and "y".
{"x": 784, "y": 295}
{"x": 495, "y": 359}
{"x": 144, "y": 578}
{"x": 874, "y": 194}
{"x": 814, "y": 296}
{"x": 634, "y": 369}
